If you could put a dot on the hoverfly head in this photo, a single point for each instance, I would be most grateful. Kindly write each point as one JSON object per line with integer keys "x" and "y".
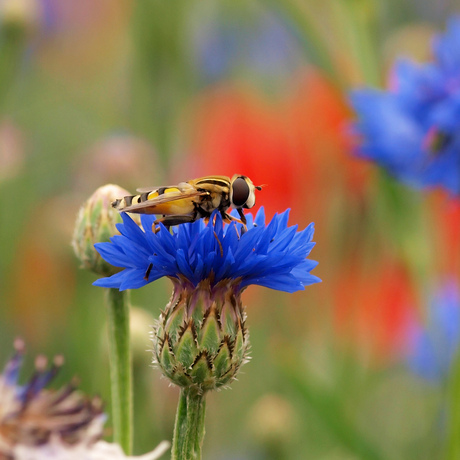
{"x": 242, "y": 192}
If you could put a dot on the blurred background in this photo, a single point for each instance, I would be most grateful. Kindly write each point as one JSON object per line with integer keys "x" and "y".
{"x": 154, "y": 92}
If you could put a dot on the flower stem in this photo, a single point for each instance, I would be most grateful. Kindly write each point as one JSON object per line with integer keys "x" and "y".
{"x": 120, "y": 367}
{"x": 189, "y": 428}
{"x": 453, "y": 414}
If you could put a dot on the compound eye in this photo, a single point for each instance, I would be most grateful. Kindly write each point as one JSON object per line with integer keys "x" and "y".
{"x": 240, "y": 192}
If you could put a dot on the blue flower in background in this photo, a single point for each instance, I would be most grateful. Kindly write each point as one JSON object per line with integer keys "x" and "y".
{"x": 223, "y": 43}
{"x": 435, "y": 344}
{"x": 413, "y": 129}
{"x": 272, "y": 255}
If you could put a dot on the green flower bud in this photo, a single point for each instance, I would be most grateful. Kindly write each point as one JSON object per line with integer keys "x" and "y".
{"x": 200, "y": 340}
{"x": 96, "y": 224}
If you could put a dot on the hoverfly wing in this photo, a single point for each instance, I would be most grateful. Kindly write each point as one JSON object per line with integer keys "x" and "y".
{"x": 182, "y": 187}
{"x": 149, "y": 189}
{"x": 164, "y": 204}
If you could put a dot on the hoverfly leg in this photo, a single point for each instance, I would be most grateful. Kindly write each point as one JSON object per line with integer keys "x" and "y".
{"x": 242, "y": 216}
{"x": 229, "y": 218}
{"x": 237, "y": 234}
{"x": 147, "y": 272}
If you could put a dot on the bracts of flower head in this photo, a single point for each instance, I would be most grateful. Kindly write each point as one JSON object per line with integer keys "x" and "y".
{"x": 37, "y": 423}
{"x": 201, "y": 340}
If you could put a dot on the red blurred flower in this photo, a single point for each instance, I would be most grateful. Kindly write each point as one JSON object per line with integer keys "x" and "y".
{"x": 297, "y": 144}
{"x": 319, "y": 118}
{"x": 373, "y": 310}
{"x": 445, "y": 218}
{"x": 235, "y": 131}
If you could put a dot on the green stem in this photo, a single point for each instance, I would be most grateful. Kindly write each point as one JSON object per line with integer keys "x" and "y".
{"x": 453, "y": 412}
{"x": 120, "y": 367}
{"x": 189, "y": 428}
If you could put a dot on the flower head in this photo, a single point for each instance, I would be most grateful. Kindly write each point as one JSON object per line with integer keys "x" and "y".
{"x": 412, "y": 130}
{"x": 272, "y": 255}
{"x": 41, "y": 424}
{"x": 30, "y": 415}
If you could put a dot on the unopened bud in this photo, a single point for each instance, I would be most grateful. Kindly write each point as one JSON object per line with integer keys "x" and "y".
{"x": 96, "y": 224}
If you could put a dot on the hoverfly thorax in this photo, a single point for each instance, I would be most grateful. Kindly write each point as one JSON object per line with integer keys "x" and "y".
{"x": 242, "y": 192}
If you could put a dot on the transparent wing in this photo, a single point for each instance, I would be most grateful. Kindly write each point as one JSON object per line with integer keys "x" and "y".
{"x": 165, "y": 198}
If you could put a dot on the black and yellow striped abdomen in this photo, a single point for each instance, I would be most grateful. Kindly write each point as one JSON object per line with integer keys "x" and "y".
{"x": 164, "y": 200}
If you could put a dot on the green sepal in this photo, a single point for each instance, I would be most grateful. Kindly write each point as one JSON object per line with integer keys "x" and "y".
{"x": 167, "y": 360}
{"x": 198, "y": 315}
{"x": 222, "y": 359}
{"x": 186, "y": 349}
{"x": 180, "y": 376}
{"x": 210, "y": 334}
{"x": 228, "y": 376}
{"x": 239, "y": 349}
{"x": 95, "y": 213}
{"x": 228, "y": 323}
{"x": 201, "y": 371}
{"x": 175, "y": 321}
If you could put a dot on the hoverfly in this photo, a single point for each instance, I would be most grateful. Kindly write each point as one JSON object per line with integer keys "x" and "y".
{"x": 194, "y": 199}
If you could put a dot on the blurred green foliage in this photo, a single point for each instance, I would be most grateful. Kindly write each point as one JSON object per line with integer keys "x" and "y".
{"x": 93, "y": 92}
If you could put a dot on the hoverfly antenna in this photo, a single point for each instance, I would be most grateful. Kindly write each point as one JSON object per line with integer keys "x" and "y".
{"x": 260, "y": 187}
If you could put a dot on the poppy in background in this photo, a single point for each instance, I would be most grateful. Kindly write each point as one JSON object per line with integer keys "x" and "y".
{"x": 296, "y": 144}
{"x": 373, "y": 311}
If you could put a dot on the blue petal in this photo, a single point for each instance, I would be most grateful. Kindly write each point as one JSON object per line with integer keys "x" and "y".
{"x": 113, "y": 281}
{"x": 113, "y": 255}
{"x": 272, "y": 255}
{"x": 260, "y": 217}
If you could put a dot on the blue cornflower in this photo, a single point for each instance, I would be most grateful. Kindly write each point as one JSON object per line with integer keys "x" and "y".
{"x": 272, "y": 255}
{"x": 200, "y": 340}
{"x": 435, "y": 344}
{"x": 413, "y": 128}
